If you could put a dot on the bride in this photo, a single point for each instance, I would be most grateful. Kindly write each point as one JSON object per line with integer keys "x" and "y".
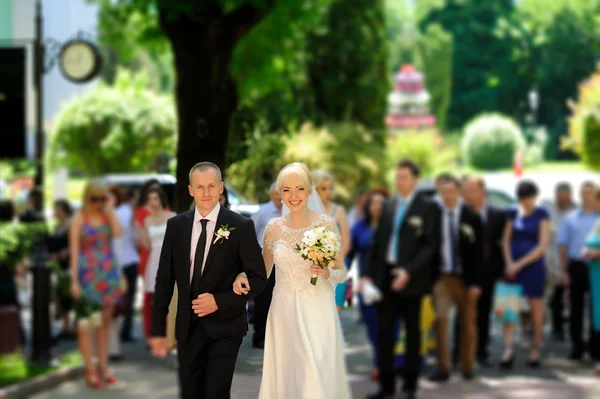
{"x": 303, "y": 344}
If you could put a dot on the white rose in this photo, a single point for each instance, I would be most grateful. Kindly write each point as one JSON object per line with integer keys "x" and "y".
{"x": 225, "y": 233}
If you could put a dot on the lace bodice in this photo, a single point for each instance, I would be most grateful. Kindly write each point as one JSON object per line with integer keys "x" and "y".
{"x": 293, "y": 272}
{"x": 157, "y": 235}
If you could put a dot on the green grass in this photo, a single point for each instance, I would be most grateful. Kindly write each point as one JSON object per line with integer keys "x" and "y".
{"x": 15, "y": 367}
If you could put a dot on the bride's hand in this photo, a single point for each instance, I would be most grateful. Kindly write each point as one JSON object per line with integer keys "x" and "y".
{"x": 314, "y": 269}
{"x": 241, "y": 286}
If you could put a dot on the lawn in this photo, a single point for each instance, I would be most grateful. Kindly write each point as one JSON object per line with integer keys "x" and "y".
{"x": 16, "y": 367}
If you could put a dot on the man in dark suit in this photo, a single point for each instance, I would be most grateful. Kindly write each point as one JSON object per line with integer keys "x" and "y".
{"x": 405, "y": 244}
{"x": 457, "y": 276}
{"x": 203, "y": 251}
{"x": 492, "y": 267}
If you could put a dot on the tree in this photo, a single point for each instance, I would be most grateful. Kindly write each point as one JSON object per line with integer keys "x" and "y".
{"x": 124, "y": 128}
{"x": 436, "y": 48}
{"x": 479, "y": 55}
{"x": 204, "y": 36}
{"x": 348, "y": 63}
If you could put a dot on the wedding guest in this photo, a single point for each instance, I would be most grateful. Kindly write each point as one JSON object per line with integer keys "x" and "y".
{"x": 58, "y": 247}
{"x": 559, "y": 208}
{"x": 492, "y": 266}
{"x": 526, "y": 238}
{"x": 32, "y": 213}
{"x": 571, "y": 238}
{"x": 407, "y": 241}
{"x": 458, "y": 277}
{"x": 356, "y": 213}
{"x": 262, "y": 301}
{"x": 323, "y": 181}
{"x": 127, "y": 256}
{"x": 362, "y": 240}
{"x": 94, "y": 278}
{"x": 591, "y": 252}
{"x": 153, "y": 237}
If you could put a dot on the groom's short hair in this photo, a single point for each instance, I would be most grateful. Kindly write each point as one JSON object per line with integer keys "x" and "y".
{"x": 203, "y": 167}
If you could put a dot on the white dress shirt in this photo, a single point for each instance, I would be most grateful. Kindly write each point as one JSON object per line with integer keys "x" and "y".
{"x": 124, "y": 246}
{"x": 197, "y": 230}
{"x": 391, "y": 253}
{"x": 446, "y": 246}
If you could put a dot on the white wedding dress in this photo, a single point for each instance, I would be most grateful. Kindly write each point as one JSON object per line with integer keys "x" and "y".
{"x": 157, "y": 236}
{"x": 303, "y": 356}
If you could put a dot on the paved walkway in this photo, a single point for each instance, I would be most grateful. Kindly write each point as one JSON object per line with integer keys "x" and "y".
{"x": 145, "y": 377}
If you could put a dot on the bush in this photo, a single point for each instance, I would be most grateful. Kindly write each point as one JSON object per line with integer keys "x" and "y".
{"x": 537, "y": 142}
{"x": 491, "y": 141}
{"x": 354, "y": 155}
{"x": 584, "y": 129}
{"x": 419, "y": 147}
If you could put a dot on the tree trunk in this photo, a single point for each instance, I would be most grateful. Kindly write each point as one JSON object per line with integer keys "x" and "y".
{"x": 206, "y": 94}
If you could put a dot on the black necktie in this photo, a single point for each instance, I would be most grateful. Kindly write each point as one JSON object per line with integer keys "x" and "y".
{"x": 453, "y": 244}
{"x": 198, "y": 260}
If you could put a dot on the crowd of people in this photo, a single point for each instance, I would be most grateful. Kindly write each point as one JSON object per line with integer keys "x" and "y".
{"x": 518, "y": 266}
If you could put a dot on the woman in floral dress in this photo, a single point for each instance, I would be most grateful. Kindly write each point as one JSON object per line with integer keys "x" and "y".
{"x": 95, "y": 278}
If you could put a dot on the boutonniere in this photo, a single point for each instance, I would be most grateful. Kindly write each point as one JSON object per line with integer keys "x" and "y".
{"x": 415, "y": 222}
{"x": 468, "y": 231}
{"x": 223, "y": 233}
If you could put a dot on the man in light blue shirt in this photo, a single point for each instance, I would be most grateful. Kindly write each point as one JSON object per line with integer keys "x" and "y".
{"x": 571, "y": 237}
{"x": 262, "y": 301}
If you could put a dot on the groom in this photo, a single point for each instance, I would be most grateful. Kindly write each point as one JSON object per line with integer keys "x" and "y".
{"x": 203, "y": 252}
{"x": 405, "y": 245}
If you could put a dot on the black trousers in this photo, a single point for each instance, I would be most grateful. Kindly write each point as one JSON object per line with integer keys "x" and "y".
{"x": 389, "y": 311}
{"x": 206, "y": 366}
{"x": 579, "y": 274}
{"x": 556, "y": 310}
{"x": 131, "y": 274}
{"x": 262, "y": 303}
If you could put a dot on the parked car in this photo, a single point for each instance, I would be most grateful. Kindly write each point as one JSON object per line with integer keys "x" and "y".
{"x": 238, "y": 202}
{"x": 496, "y": 197}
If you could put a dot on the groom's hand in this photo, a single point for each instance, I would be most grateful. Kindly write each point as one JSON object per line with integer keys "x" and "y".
{"x": 204, "y": 305}
{"x": 158, "y": 346}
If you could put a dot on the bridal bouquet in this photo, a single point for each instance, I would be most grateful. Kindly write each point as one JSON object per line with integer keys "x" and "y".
{"x": 319, "y": 245}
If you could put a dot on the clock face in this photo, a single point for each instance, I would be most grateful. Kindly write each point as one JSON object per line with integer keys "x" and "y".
{"x": 79, "y": 61}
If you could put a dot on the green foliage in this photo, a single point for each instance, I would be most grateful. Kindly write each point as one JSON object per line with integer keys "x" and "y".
{"x": 14, "y": 367}
{"x": 427, "y": 149}
{"x": 491, "y": 141}
{"x": 591, "y": 141}
{"x": 537, "y": 141}
{"x": 347, "y": 64}
{"x": 17, "y": 240}
{"x": 436, "y": 50}
{"x": 254, "y": 174}
{"x": 125, "y": 128}
{"x": 353, "y": 154}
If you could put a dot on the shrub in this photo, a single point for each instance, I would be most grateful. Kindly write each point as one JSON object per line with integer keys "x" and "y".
{"x": 353, "y": 154}
{"x": 584, "y": 129}
{"x": 491, "y": 141}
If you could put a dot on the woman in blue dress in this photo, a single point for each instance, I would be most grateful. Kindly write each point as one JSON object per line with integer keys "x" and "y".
{"x": 592, "y": 253}
{"x": 526, "y": 239}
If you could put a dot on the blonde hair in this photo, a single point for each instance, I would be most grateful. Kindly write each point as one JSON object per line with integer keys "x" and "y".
{"x": 94, "y": 188}
{"x": 294, "y": 170}
{"x": 319, "y": 176}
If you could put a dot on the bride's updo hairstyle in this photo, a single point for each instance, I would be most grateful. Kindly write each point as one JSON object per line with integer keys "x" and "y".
{"x": 294, "y": 170}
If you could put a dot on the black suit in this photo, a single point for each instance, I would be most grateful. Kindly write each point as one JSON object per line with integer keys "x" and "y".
{"x": 207, "y": 346}
{"x": 491, "y": 270}
{"x": 418, "y": 245}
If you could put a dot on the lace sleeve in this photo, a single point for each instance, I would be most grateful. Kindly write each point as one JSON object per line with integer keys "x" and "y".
{"x": 268, "y": 238}
{"x": 339, "y": 274}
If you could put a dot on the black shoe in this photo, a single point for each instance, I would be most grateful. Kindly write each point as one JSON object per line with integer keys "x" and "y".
{"x": 439, "y": 376}
{"x": 533, "y": 364}
{"x": 508, "y": 363}
{"x": 410, "y": 395}
{"x": 381, "y": 395}
{"x": 129, "y": 339}
{"x": 576, "y": 355}
{"x": 258, "y": 344}
{"x": 116, "y": 358}
{"x": 483, "y": 362}
{"x": 558, "y": 336}
{"x": 468, "y": 376}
